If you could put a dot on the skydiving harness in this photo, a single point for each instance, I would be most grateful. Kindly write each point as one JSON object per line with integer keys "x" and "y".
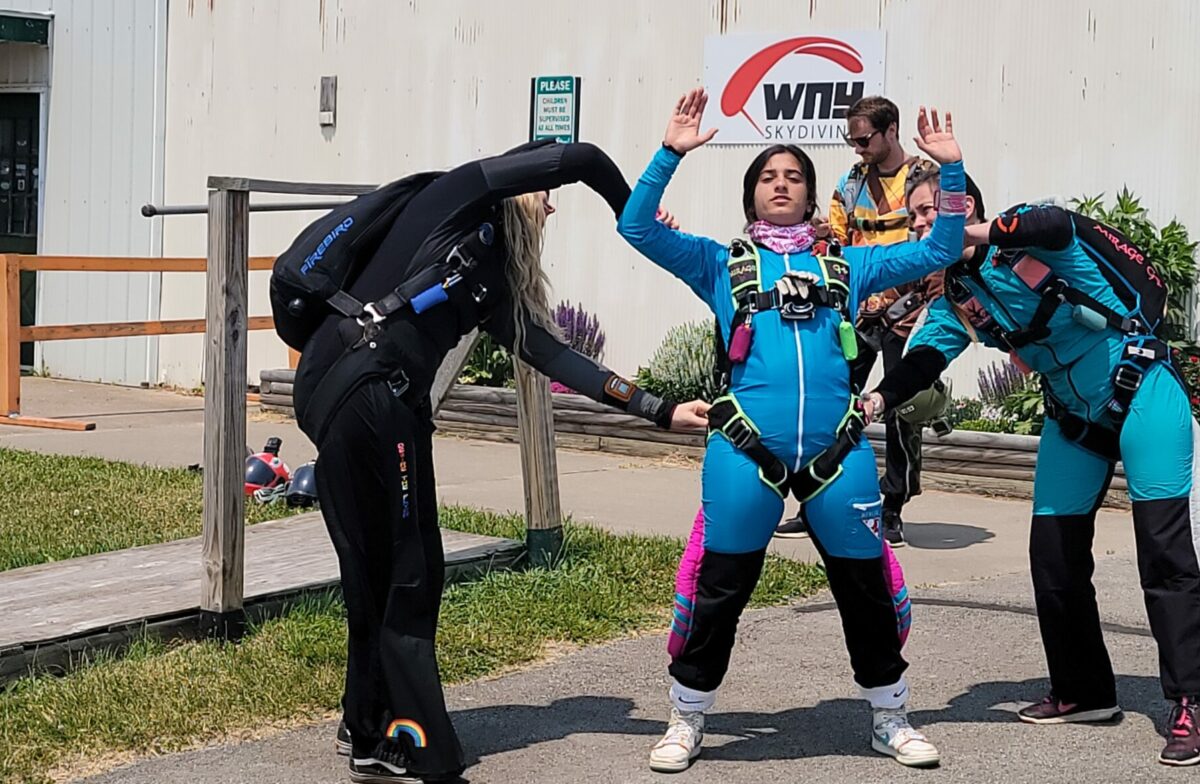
{"x": 1139, "y": 353}
{"x": 431, "y": 286}
{"x": 1141, "y": 349}
{"x": 862, "y": 174}
{"x": 726, "y": 416}
{"x": 1053, "y": 291}
{"x": 453, "y": 278}
{"x": 749, "y": 298}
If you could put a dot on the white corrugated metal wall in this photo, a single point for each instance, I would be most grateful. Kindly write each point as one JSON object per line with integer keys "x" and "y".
{"x": 103, "y": 159}
{"x": 1049, "y": 98}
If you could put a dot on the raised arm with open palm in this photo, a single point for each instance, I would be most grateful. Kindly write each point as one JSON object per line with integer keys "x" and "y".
{"x": 938, "y": 144}
{"x": 683, "y": 131}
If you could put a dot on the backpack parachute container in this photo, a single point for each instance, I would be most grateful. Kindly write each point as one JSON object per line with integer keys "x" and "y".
{"x": 1143, "y": 296}
{"x": 1132, "y": 276}
{"x": 309, "y": 279}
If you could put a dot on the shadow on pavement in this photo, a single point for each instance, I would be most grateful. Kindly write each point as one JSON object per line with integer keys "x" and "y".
{"x": 500, "y": 728}
{"x": 944, "y": 536}
{"x": 810, "y": 731}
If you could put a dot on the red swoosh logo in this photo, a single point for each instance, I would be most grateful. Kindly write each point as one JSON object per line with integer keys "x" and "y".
{"x": 750, "y": 73}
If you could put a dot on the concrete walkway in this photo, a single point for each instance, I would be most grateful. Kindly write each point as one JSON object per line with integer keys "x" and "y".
{"x": 788, "y": 711}
{"x": 954, "y": 537}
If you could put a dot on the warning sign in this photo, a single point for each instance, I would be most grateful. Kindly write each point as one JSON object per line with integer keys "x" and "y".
{"x": 554, "y": 108}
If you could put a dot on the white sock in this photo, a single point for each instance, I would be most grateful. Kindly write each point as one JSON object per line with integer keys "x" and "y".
{"x": 690, "y": 700}
{"x": 887, "y": 697}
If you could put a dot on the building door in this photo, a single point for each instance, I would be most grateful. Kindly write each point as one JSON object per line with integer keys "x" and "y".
{"x": 19, "y": 135}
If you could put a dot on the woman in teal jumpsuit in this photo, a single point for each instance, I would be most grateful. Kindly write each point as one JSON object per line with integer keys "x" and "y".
{"x": 1111, "y": 393}
{"x": 793, "y": 385}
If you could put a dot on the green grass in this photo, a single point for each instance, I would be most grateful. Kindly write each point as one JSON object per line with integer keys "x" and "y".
{"x": 162, "y": 697}
{"x": 55, "y": 507}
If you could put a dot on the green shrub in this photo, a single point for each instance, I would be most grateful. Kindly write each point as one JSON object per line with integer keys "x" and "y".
{"x": 490, "y": 365}
{"x": 984, "y": 426}
{"x": 682, "y": 367}
{"x": 1027, "y": 407}
{"x": 963, "y": 409}
{"x": 1188, "y": 361}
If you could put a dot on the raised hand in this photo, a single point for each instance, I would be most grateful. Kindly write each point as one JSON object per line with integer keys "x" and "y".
{"x": 683, "y": 131}
{"x": 666, "y": 219}
{"x": 938, "y": 144}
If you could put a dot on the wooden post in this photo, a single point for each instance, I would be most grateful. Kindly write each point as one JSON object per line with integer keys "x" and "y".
{"x": 451, "y": 369}
{"x": 225, "y": 414}
{"x": 539, "y": 466}
{"x": 10, "y": 335}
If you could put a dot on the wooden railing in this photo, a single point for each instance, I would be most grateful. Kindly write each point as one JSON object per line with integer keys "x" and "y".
{"x": 225, "y": 324}
{"x": 12, "y": 334}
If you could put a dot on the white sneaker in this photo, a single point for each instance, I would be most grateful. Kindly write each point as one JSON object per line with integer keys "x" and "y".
{"x": 681, "y": 744}
{"x": 894, "y": 736}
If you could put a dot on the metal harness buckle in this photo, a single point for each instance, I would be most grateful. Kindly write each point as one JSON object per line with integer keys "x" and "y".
{"x": 739, "y": 432}
{"x": 458, "y": 260}
{"x": 398, "y": 383}
{"x": 370, "y": 315}
{"x": 793, "y": 310}
{"x": 370, "y": 321}
{"x": 1127, "y": 378}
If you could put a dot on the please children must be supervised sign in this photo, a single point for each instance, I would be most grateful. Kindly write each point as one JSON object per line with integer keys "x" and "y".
{"x": 554, "y": 108}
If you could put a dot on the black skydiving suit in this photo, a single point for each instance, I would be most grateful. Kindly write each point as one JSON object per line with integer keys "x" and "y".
{"x": 374, "y": 433}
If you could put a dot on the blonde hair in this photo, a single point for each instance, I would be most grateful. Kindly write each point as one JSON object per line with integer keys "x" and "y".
{"x": 524, "y": 221}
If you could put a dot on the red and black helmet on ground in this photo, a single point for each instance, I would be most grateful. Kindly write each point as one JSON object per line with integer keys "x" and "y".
{"x": 265, "y": 469}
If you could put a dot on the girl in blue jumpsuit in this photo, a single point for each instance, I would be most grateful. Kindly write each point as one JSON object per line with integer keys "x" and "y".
{"x": 992, "y": 296}
{"x": 794, "y": 386}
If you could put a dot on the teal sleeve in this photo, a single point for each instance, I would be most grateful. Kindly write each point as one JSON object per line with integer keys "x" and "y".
{"x": 942, "y": 330}
{"x": 697, "y": 261}
{"x": 880, "y": 267}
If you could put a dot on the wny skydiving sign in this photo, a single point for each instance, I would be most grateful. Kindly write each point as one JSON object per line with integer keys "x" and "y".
{"x": 768, "y": 89}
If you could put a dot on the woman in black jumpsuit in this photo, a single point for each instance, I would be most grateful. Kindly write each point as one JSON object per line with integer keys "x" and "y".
{"x": 364, "y": 401}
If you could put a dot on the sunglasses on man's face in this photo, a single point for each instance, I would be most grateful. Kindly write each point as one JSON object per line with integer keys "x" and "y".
{"x": 859, "y": 141}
